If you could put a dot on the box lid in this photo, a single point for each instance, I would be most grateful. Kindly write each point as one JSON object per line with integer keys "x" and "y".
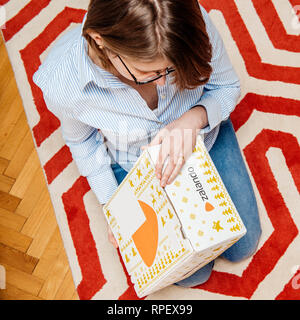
{"x": 201, "y": 200}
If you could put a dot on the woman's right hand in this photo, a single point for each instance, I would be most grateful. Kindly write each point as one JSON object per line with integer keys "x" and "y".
{"x": 111, "y": 237}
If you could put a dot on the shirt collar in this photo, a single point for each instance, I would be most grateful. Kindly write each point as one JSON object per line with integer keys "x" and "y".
{"x": 89, "y": 71}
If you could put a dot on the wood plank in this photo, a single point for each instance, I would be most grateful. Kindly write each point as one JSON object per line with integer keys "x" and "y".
{"x": 5, "y": 69}
{"x": 7, "y": 83}
{"x": 55, "y": 278}
{"x": 37, "y": 216}
{"x": 8, "y": 97}
{"x": 3, "y": 49}
{"x": 11, "y": 220}
{"x": 14, "y": 239}
{"x": 12, "y": 143}
{"x": 8, "y": 86}
{"x": 10, "y": 116}
{"x": 19, "y": 159}
{"x": 43, "y": 234}
{"x": 23, "y": 280}
{"x": 3, "y": 165}
{"x": 16, "y": 147}
{"x": 8, "y": 201}
{"x": 6, "y": 183}
{"x": 26, "y": 175}
{"x": 32, "y": 194}
{"x": 13, "y": 293}
{"x": 49, "y": 256}
{"x": 17, "y": 259}
{"x": 75, "y": 296}
{"x": 66, "y": 289}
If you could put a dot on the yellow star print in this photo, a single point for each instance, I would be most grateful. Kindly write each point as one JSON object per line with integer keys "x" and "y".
{"x": 158, "y": 192}
{"x": 217, "y": 226}
{"x": 147, "y": 162}
{"x": 138, "y": 173}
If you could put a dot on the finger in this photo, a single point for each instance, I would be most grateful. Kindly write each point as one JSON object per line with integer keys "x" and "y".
{"x": 167, "y": 172}
{"x": 162, "y": 156}
{"x": 173, "y": 168}
{"x": 111, "y": 237}
{"x": 113, "y": 240}
{"x": 179, "y": 165}
{"x": 158, "y": 138}
{"x": 115, "y": 243}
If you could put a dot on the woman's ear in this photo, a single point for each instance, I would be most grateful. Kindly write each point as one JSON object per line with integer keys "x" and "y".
{"x": 96, "y": 36}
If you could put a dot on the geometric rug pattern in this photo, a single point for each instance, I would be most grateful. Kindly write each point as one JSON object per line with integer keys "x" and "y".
{"x": 262, "y": 38}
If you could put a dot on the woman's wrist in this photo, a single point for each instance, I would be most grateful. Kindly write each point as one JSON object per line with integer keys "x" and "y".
{"x": 200, "y": 116}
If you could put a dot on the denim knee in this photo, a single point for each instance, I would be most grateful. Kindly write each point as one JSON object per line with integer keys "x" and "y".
{"x": 197, "y": 278}
{"x": 244, "y": 248}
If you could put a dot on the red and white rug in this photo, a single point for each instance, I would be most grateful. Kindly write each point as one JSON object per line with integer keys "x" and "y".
{"x": 262, "y": 38}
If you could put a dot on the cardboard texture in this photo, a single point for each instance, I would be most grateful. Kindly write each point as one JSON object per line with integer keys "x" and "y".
{"x": 166, "y": 234}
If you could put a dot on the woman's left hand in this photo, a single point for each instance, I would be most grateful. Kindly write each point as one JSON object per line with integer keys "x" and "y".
{"x": 177, "y": 140}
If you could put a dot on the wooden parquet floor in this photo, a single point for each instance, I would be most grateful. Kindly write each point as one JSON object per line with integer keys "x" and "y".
{"x": 31, "y": 248}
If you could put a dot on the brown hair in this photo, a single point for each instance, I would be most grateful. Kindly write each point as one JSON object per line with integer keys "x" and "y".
{"x": 148, "y": 29}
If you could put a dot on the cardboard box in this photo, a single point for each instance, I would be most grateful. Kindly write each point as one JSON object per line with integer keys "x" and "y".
{"x": 166, "y": 234}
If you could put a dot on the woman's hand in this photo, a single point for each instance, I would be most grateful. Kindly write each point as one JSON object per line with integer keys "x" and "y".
{"x": 177, "y": 140}
{"x": 111, "y": 237}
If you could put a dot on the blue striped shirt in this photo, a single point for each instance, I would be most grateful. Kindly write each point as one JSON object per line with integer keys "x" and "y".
{"x": 103, "y": 120}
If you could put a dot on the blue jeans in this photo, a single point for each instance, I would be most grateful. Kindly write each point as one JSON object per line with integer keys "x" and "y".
{"x": 227, "y": 157}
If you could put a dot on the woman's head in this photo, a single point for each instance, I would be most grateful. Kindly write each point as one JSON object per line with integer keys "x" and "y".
{"x": 151, "y": 33}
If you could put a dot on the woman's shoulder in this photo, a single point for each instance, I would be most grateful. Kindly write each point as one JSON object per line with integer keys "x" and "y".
{"x": 59, "y": 66}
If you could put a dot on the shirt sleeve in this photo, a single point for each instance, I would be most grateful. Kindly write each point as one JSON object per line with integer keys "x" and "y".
{"x": 222, "y": 91}
{"x": 89, "y": 152}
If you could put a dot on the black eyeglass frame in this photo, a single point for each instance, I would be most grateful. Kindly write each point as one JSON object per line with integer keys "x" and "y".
{"x": 168, "y": 70}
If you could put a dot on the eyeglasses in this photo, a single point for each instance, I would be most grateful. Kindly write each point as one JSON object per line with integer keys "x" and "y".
{"x": 148, "y": 80}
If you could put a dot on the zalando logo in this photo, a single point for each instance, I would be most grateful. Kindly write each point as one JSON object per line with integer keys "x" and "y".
{"x": 200, "y": 189}
{"x": 198, "y": 185}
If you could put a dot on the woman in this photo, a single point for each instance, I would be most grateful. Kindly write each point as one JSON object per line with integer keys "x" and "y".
{"x": 145, "y": 72}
